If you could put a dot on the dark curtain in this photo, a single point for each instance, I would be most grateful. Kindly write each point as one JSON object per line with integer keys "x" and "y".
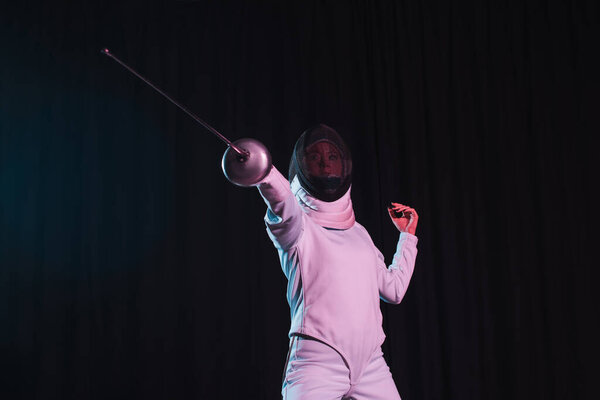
{"x": 130, "y": 267}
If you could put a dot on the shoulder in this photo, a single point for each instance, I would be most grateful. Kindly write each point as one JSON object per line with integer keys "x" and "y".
{"x": 361, "y": 232}
{"x": 361, "y": 229}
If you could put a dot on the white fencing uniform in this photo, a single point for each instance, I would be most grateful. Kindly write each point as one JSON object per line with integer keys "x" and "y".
{"x": 336, "y": 277}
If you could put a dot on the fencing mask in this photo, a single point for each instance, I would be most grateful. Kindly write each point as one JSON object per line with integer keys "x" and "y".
{"x": 322, "y": 162}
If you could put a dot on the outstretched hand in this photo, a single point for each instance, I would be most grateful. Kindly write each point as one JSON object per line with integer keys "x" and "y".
{"x": 404, "y": 217}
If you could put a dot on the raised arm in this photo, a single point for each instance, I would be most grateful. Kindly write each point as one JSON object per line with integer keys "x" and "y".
{"x": 393, "y": 280}
{"x": 284, "y": 216}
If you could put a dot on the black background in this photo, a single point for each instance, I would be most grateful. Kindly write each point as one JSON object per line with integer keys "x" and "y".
{"x": 130, "y": 268}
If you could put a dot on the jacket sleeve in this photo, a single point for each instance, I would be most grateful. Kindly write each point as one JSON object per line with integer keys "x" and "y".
{"x": 393, "y": 280}
{"x": 284, "y": 217}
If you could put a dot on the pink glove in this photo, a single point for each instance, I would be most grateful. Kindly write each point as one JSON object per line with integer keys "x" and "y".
{"x": 404, "y": 217}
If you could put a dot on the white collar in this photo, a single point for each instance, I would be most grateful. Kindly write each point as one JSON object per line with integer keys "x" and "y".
{"x": 337, "y": 214}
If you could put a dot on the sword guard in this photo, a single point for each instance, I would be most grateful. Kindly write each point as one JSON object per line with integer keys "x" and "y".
{"x": 250, "y": 170}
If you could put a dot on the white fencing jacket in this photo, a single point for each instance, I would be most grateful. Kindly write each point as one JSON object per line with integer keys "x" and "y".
{"x": 336, "y": 275}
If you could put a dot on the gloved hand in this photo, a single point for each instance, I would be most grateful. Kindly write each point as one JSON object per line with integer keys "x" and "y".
{"x": 404, "y": 217}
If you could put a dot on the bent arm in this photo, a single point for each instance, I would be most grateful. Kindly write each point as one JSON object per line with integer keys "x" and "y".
{"x": 284, "y": 216}
{"x": 393, "y": 280}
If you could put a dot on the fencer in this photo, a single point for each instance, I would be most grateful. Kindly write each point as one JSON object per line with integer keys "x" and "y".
{"x": 336, "y": 275}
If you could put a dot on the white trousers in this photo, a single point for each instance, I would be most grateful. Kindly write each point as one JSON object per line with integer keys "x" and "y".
{"x": 315, "y": 371}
